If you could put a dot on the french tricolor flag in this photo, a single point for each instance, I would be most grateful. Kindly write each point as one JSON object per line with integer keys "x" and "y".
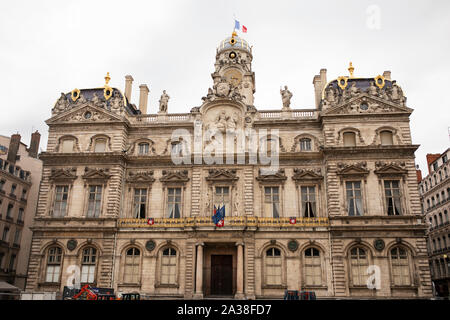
{"x": 237, "y": 26}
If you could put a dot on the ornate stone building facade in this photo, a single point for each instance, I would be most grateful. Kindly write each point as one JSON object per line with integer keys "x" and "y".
{"x": 128, "y": 197}
{"x": 435, "y": 194}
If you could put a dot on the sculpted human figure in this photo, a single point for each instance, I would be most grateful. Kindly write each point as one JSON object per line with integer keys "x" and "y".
{"x": 330, "y": 94}
{"x": 81, "y": 99}
{"x": 62, "y": 103}
{"x": 96, "y": 101}
{"x": 354, "y": 91}
{"x": 116, "y": 102}
{"x": 164, "y": 102}
{"x": 221, "y": 121}
{"x": 286, "y": 96}
{"x": 372, "y": 89}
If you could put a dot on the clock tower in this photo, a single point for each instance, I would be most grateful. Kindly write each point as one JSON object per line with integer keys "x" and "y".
{"x": 234, "y": 65}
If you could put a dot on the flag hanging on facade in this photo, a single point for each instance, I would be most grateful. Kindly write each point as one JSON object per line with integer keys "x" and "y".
{"x": 292, "y": 220}
{"x": 218, "y": 216}
{"x": 150, "y": 221}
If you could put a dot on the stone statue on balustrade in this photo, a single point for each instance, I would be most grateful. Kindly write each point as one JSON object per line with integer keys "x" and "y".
{"x": 163, "y": 102}
{"x": 286, "y": 96}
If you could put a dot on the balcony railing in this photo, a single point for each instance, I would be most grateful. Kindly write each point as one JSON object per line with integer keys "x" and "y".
{"x": 228, "y": 222}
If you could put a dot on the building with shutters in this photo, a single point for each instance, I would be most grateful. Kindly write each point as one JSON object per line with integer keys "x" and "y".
{"x": 321, "y": 199}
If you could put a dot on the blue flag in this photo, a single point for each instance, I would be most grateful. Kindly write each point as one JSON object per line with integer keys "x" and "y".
{"x": 218, "y": 215}
{"x": 237, "y": 25}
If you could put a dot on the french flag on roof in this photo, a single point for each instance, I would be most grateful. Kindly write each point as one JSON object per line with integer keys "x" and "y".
{"x": 237, "y": 26}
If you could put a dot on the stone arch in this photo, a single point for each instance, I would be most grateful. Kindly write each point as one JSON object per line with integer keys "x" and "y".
{"x": 315, "y": 144}
{"x": 395, "y": 136}
{"x": 100, "y": 136}
{"x": 356, "y": 131}
{"x": 76, "y": 145}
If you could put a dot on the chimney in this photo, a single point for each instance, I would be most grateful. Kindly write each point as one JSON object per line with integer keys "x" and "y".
{"x": 34, "y": 144}
{"x": 143, "y": 98}
{"x": 419, "y": 175}
{"x": 14, "y": 143}
{"x": 317, "y": 89}
{"x": 431, "y": 157}
{"x": 323, "y": 78}
{"x": 387, "y": 75}
{"x": 128, "y": 85}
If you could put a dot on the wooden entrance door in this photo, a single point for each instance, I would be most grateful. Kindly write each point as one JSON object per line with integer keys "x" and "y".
{"x": 221, "y": 274}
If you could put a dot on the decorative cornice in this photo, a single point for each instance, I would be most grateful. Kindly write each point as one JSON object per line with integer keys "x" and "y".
{"x": 174, "y": 177}
{"x": 390, "y": 168}
{"x": 140, "y": 177}
{"x": 353, "y": 169}
{"x": 307, "y": 175}
{"x": 68, "y": 174}
{"x": 97, "y": 174}
{"x": 222, "y": 175}
{"x": 277, "y": 177}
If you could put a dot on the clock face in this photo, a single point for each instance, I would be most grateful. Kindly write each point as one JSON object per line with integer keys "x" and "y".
{"x": 233, "y": 77}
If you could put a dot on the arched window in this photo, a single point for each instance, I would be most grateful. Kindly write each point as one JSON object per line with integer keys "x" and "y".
{"x": 386, "y": 138}
{"x": 400, "y": 267}
{"x": 359, "y": 263}
{"x": 100, "y": 145}
{"x": 169, "y": 266}
{"x": 273, "y": 266}
{"x": 132, "y": 266}
{"x": 88, "y": 263}
{"x": 305, "y": 144}
{"x": 143, "y": 148}
{"x": 428, "y": 203}
{"x": 433, "y": 203}
{"x": 54, "y": 259}
{"x": 313, "y": 268}
{"x": 349, "y": 139}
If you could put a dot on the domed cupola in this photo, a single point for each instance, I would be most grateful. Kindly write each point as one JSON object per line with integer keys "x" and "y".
{"x": 234, "y": 43}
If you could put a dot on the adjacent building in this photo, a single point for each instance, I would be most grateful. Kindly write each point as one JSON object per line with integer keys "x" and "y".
{"x": 321, "y": 199}
{"x": 435, "y": 194}
{"x": 20, "y": 176}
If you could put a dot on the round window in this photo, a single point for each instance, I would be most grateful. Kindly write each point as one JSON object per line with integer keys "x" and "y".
{"x": 87, "y": 115}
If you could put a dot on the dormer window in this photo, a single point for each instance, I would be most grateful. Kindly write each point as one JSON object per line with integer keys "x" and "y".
{"x": 349, "y": 139}
{"x": 100, "y": 145}
{"x": 386, "y": 138}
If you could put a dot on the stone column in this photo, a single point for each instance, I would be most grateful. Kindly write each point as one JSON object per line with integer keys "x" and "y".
{"x": 199, "y": 274}
{"x": 240, "y": 272}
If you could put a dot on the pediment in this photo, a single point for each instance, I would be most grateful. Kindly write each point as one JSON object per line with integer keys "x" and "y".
{"x": 63, "y": 174}
{"x": 374, "y": 105}
{"x": 388, "y": 169}
{"x": 96, "y": 174}
{"x": 358, "y": 169}
{"x": 85, "y": 112}
{"x": 276, "y": 177}
{"x": 174, "y": 176}
{"x": 222, "y": 175}
{"x": 305, "y": 174}
{"x": 140, "y": 177}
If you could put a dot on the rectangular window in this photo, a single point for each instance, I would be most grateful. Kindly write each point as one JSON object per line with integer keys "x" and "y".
{"x": 13, "y": 188}
{"x": 2, "y": 255}
{"x": 24, "y": 194}
{"x": 67, "y": 146}
{"x": 393, "y": 197}
{"x": 222, "y": 198}
{"x": 354, "y": 198}
{"x": 9, "y": 211}
{"x": 272, "y": 201}
{"x": 87, "y": 273}
{"x": 17, "y": 237}
{"x": 143, "y": 148}
{"x": 308, "y": 201}
{"x": 100, "y": 145}
{"x": 5, "y": 234}
{"x": 95, "y": 201}
{"x": 60, "y": 205}
{"x": 20, "y": 215}
{"x": 174, "y": 202}
{"x": 140, "y": 203}
{"x": 53, "y": 272}
{"x": 2, "y": 184}
{"x": 12, "y": 263}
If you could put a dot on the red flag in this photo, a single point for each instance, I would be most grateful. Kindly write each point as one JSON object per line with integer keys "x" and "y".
{"x": 220, "y": 223}
{"x": 150, "y": 221}
{"x": 244, "y": 29}
{"x": 293, "y": 220}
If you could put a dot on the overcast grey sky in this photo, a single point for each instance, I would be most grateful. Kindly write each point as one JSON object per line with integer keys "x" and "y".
{"x": 49, "y": 47}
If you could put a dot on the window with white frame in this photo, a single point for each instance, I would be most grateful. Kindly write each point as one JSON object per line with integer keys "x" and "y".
{"x": 169, "y": 266}
{"x": 173, "y": 202}
{"x": 400, "y": 267}
{"x": 60, "y": 203}
{"x": 88, "y": 265}
{"x": 272, "y": 202}
{"x": 54, "y": 259}
{"x": 143, "y": 148}
{"x": 308, "y": 196}
{"x": 140, "y": 203}
{"x": 222, "y": 198}
{"x": 354, "y": 198}
{"x": 305, "y": 144}
{"x": 393, "y": 197}
{"x": 94, "y": 201}
{"x": 132, "y": 266}
{"x": 313, "y": 267}
{"x": 359, "y": 263}
{"x": 273, "y": 264}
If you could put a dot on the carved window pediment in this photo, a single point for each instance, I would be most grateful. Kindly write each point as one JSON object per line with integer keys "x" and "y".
{"x": 307, "y": 175}
{"x": 95, "y": 175}
{"x": 390, "y": 168}
{"x": 174, "y": 177}
{"x": 365, "y": 104}
{"x": 276, "y": 177}
{"x": 63, "y": 175}
{"x": 140, "y": 177}
{"x": 355, "y": 169}
{"x": 222, "y": 175}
